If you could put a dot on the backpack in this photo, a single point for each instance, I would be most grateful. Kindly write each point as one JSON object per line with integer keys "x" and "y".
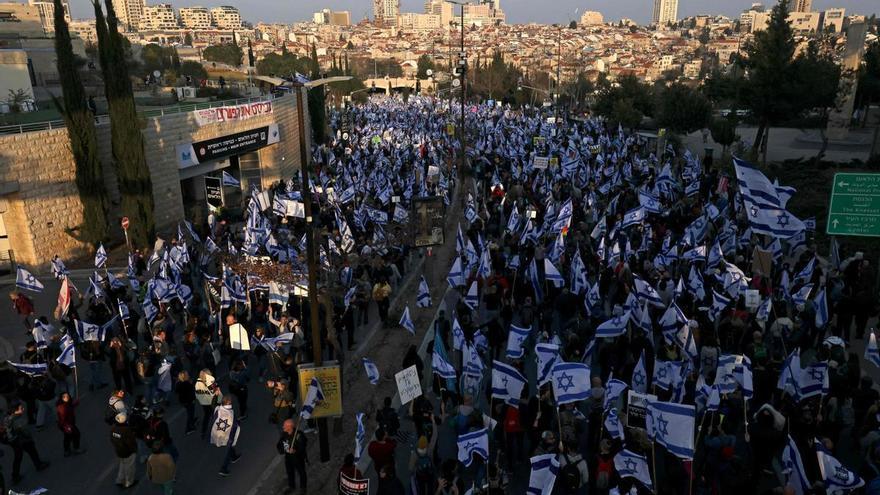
{"x": 424, "y": 468}
{"x": 570, "y": 475}
{"x": 110, "y": 413}
{"x": 603, "y": 473}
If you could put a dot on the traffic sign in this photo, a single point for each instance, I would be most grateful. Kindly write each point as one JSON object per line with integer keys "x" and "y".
{"x": 855, "y": 205}
{"x": 124, "y": 223}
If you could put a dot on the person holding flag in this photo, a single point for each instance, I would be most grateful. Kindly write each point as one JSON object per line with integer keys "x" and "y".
{"x": 225, "y": 431}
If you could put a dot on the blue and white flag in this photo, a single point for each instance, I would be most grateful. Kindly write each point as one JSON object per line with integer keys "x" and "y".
{"x": 68, "y": 352}
{"x": 775, "y": 222}
{"x": 639, "y": 378}
{"x": 60, "y": 271}
{"x": 835, "y": 475}
{"x": 372, "y": 371}
{"x": 314, "y": 395}
{"x": 472, "y": 298}
{"x": 26, "y": 280}
{"x": 571, "y": 382}
{"x": 360, "y": 438}
{"x": 872, "y": 354}
{"x": 672, "y": 426}
{"x": 552, "y": 274}
{"x": 473, "y": 443}
{"x": 793, "y": 468}
{"x": 800, "y": 297}
{"x": 30, "y": 369}
{"x": 633, "y": 217}
{"x": 542, "y": 477}
{"x": 100, "y": 257}
{"x": 456, "y": 277}
{"x": 647, "y": 292}
{"x": 650, "y": 203}
{"x": 614, "y": 327}
{"x": 440, "y": 364}
{"x": 821, "y": 304}
{"x": 631, "y": 465}
{"x": 536, "y": 281}
{"x": 458, "y": 340}
{"x": 763, "y": 313}
{"x": 546, "y": 355}
{"x": 612, "y": 424}
{"x": 507, "y": 383}
{"x": 89, "y": 331}
{"x": 806, "y": 274}
{"x": 515, "y": 340}
{"x": 423, "y": 300}
{"x": 229, "y": 180}
{"x": 813, "y": 380}
{"x": 613, "y": 389}
{"x": 406, "y": 322}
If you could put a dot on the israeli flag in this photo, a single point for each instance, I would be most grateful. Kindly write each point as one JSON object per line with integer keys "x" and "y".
{"x": 513, "y": 220}
{"x": 536, "y": 281}
{"x": 872, "y": 354}
{"x": 30, "y": 369}
{"x": 821, "y": 305}
{"x": 60, "y": 271}
{"x": 423, "y": 300}
{"x": 694, "y": 255}
{"x": 571, "y": 382}
{"x": 515, "y": 339}
{"x": 271, "y": 344}
{"x": 25, "y": 280}
{"x": 763, "y": 313}
{"x": 775, "y": 222}
{"x": 633, "y": 217}
{"x": 542, "y": 477}
{"x": 806, "y": 274}
{"x": 612, "y": 424}
{"x": 836, "y": 476}
{"x": 229, "y": 180}
{"x": 647, "y": 292}
{"x": 613, "y": 389}
{"x": 631, "y": 465}
{"x": 472, "y": 363}
{"x": 793, "y": 468}
{"x": 406, "y": 321}
{"x": 469, "y": 444}
{"x": 68, "y": 352}
{"x": 813, "y": 380}
{"x": 507, "y": 383}
{"x": 672, "y": 426}
{"x": 639, "y": 378}
{"x": 755, "y": 185}
{"x": 458, "y": 340}
{"x": 372, "y": 371}
{"x": 314, "y": 396}
{"x": 614, "y": 327}
{"x": 100, "y": 257}
{"x": 360, "y": 438}
{"x": 650, "y": 203}
{"x": 800, "y": 297}
{"x": 472, "y": 298}
{"x": 456, "y": 275}
{"x": 552, "y": 274}
{"x": 89, "y": 331}
{"x": 546, "y": 355}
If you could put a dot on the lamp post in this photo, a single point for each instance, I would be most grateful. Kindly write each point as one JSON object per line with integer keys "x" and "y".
{"x": 314, "y": 318}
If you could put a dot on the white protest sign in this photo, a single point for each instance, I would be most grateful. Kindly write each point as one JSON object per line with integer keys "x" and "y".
{"x": 238, "y": 337}
{"x": 753, "y": 299}
{"x": 408, "y": 384}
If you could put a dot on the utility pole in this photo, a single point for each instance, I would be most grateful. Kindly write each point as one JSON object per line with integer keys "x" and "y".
{"x": 558, "y": 68}
{"x": 463, "y": 68}
{"x": 314, "y": 319}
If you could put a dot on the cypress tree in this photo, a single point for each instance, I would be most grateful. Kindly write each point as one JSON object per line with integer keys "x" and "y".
{"x": 132, "y": 173}
{"x": 316, "y": 101}
{"x": 82, "y": 135}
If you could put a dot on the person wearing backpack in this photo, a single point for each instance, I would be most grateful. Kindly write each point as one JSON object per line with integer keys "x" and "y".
{"x": 22, "y": 441}
{"x": 421, "y": 465}
{"x": 208, "y": 396}
{"x": 43, "y": 388}
{"x": 115, "y": 405}
{"x": 388, "y": 419}
{"x": 573, "y": 473}
{"x": 604, "y": 467}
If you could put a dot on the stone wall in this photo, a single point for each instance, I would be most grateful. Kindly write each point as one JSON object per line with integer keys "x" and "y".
{"x": 37, "y": 173}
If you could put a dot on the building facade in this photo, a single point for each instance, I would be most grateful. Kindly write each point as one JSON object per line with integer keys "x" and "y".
{"x": 226, "y": 17}
{"x": 592, "y": 18}
{"x": 158, "y": 17}
{"x": 802, "y": 6}
{"x": 665, "y": 12}
{"x": 47, "y": 13}
{"x": 385, "y": 12}
{"x": 186, "y": 154}
{"x": 129, "y": 13}
{"x": 195, "y": 17}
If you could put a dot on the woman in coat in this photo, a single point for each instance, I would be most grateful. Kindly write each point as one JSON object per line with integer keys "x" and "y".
{"x": 65, "y": 410}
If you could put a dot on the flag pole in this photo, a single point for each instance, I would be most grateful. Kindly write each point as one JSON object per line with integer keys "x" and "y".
{"x": 654, "y": 465}
{"x": 75, "y": 377}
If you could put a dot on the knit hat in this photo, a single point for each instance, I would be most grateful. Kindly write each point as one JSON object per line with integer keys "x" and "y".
{"x": 423, "y": 442}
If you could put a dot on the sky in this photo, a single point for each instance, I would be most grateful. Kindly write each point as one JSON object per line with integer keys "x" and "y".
{"x": 517, "y": 11}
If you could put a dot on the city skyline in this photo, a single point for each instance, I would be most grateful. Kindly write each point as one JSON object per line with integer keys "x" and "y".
{"x": 517, "y": 11}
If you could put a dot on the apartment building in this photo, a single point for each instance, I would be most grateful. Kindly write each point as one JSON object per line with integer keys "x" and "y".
{"x": 226, "y": 17}
{"x": 46, "y": 9}
{"x": 159, "y": 17}
{"x": 129, "y": 13}
{"x": 195, "y": 17}
{"x": 665, "y": 12}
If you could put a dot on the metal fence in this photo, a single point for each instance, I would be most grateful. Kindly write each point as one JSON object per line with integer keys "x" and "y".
{"x": 157, "y": 112}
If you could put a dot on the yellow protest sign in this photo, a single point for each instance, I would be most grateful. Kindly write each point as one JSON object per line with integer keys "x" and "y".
{"x": 331, "y": 384}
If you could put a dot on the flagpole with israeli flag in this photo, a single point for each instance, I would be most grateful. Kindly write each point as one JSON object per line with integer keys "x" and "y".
{"x": 26, "y": 280}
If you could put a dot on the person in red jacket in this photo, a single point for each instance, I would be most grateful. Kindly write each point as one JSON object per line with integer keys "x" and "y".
{"x": 381, "y": 449}
{"x": 24, "y": 307}
{"x": 65, "y": 409}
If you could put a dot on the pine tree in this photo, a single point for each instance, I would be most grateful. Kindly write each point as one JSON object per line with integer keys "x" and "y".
{"x": 82, "y": 135}
{"x": 127, "y": 142}
{"x": 316, "y": 101}
{"x": 251, "y": 60}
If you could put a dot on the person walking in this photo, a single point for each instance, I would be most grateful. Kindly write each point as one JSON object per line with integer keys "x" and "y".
{"x": 294, "y": 450}
{"x": 186, "y": 395}
{"x": 21, "y": 440}
{"x": 381, "y": 294}
{"x": 238, "y": 386}
{"x": 161, "y": 469}
{"x": 208, "y": 395}
{"x": 24, "y": 308}
{"x": 120, "y": 364}
{"x": 65, "y": 410}
{"x": 224, "y": 433}
{"x": 124, "y": 441}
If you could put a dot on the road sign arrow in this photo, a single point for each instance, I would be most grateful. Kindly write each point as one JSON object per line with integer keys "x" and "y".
{"x": 835, "y": 223}
{"x": 843, "y": 184}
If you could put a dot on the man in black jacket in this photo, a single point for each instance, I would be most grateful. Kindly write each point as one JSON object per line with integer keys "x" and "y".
{"x": 124, "y": 442}
{"x": 295, "y": 456}
{"x": 21, "y": 439}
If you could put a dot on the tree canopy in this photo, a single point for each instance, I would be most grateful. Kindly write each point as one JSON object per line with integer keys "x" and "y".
{"x": 227, "y": 53}
{"x": 682, "y": 109}
{"x": 285, "y": 64}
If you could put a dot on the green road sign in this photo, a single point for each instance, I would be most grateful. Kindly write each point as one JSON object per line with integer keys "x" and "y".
{"x": 855, "y": 205}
